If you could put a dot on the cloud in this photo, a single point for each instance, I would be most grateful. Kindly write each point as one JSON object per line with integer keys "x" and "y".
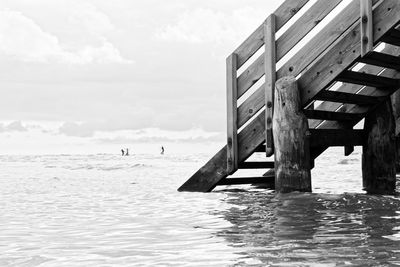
{"x": 88, "y": 16}
{"x": 156, "y": 135}
{"x": 15, "y": 126}
{"x": 204, "y": 25}
{"x": 75, "y": 129}
{"x": 24, "y": 40}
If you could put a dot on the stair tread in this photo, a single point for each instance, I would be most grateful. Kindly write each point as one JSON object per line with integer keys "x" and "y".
{"x": 247, "y": 180}
{"x": 381, "y": 60}
{"x": 342, "y": 97}
{"x": 354, "y": 77}
{"x": 331, "y": 115}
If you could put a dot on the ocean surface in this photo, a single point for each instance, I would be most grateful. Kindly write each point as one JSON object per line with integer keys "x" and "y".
{"x": 109, "y": 210}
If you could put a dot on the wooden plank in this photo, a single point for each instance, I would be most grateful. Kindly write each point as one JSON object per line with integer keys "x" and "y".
{"x": 270, "y": 78}
{"x": 314, "y": 15}
{"x": 341, "y": 97}
{"x": 367, "y": 79}
{"x": 207, "y": 177}
{"x": 367, "y": 39}
{"x": 251, "y": 106}
{"x": 251, "y": 137}
{"x": 381, "y": 60}
{"x": 251, "y": 75}
{"x": 291, "y": 140}
{"x": 232, "y": 128}
{"x": 332, "y": 116}
{"x": 248, "y": 180}
{"x": 256, "y": 165}
{"x": 345, "y": 51}
{"x": 336, "y": 137}
{"x": 256, "y": 40}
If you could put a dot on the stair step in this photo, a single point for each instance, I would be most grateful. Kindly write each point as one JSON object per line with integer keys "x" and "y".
{"x": 332, "y": 116}
{"x": 248, "y": 180}
{"x": 367, "y": 79}
{"x": 337, "y": 137}
{"x": 381, "y": 60}
{"x": 393, "y": 38}
{"x": 257, "y": 165}
{"x": 341, "y": 97}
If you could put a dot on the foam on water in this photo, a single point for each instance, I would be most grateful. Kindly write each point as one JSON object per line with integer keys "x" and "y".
{"x": 108, "y": 210}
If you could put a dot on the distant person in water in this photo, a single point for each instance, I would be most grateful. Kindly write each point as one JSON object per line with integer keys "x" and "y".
{"x": 127, "y": 152}
{"x": 162, "y": 150}
{"x": 123, "y": 152}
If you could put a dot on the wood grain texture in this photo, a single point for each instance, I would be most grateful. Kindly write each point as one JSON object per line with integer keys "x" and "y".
{"x": 366, "y": 21}
{"x": 353, "y": 88}
{"x": 232, "y": 127}
{"x": 256, "y": 40}
{"x": 291, "y": 139}
{"x": 346, "y": 51}
{"x": 395, "y": 100}
{"x": 207, "y": 177}
{"x": 379, "y": 152}
{"x": 311, "y": 18}
{"x": 309, "y": 53}
{"x": 270, "y": 79}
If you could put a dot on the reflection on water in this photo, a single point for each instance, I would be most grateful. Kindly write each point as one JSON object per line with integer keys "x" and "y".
{"x": 310, "y": 229}
{"x": 106, "y": 210}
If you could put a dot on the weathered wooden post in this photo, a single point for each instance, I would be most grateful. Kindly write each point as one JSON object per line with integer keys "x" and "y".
{"x": 291, "y": 139}
{"x": 379, "y": 151}
{"x": 395, "y": 98}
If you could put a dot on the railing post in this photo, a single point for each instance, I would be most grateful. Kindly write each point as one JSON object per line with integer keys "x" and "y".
{"x": 270, "y": 78}
{"x": 232, "y": 96}
{"x": 367, "y": 30}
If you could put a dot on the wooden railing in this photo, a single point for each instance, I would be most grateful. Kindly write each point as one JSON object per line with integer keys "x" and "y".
{"x": 265, "y": 66}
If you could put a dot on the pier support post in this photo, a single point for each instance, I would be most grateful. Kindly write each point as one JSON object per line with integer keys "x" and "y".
{"x": 291, "y": 139}
{"x": 395, "y": 98}
{"x": 379, "y": 151}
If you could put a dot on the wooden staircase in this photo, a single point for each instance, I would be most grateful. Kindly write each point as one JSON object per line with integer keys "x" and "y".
{"x": 339, "y": 83}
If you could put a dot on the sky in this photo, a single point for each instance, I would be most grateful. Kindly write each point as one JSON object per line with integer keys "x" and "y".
{"x": 104, "y": 71}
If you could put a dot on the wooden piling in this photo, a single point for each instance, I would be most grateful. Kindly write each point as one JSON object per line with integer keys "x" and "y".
{"x": 395, "y": 98}
{"x": 291, "y": 139}
{"x": 379, "y": 151}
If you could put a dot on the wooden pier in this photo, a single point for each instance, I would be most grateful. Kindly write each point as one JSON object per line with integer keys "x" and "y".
{"x": 346, "y": 72}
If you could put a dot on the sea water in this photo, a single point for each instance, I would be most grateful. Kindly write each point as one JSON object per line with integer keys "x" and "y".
{"x": 109, "y": 210}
